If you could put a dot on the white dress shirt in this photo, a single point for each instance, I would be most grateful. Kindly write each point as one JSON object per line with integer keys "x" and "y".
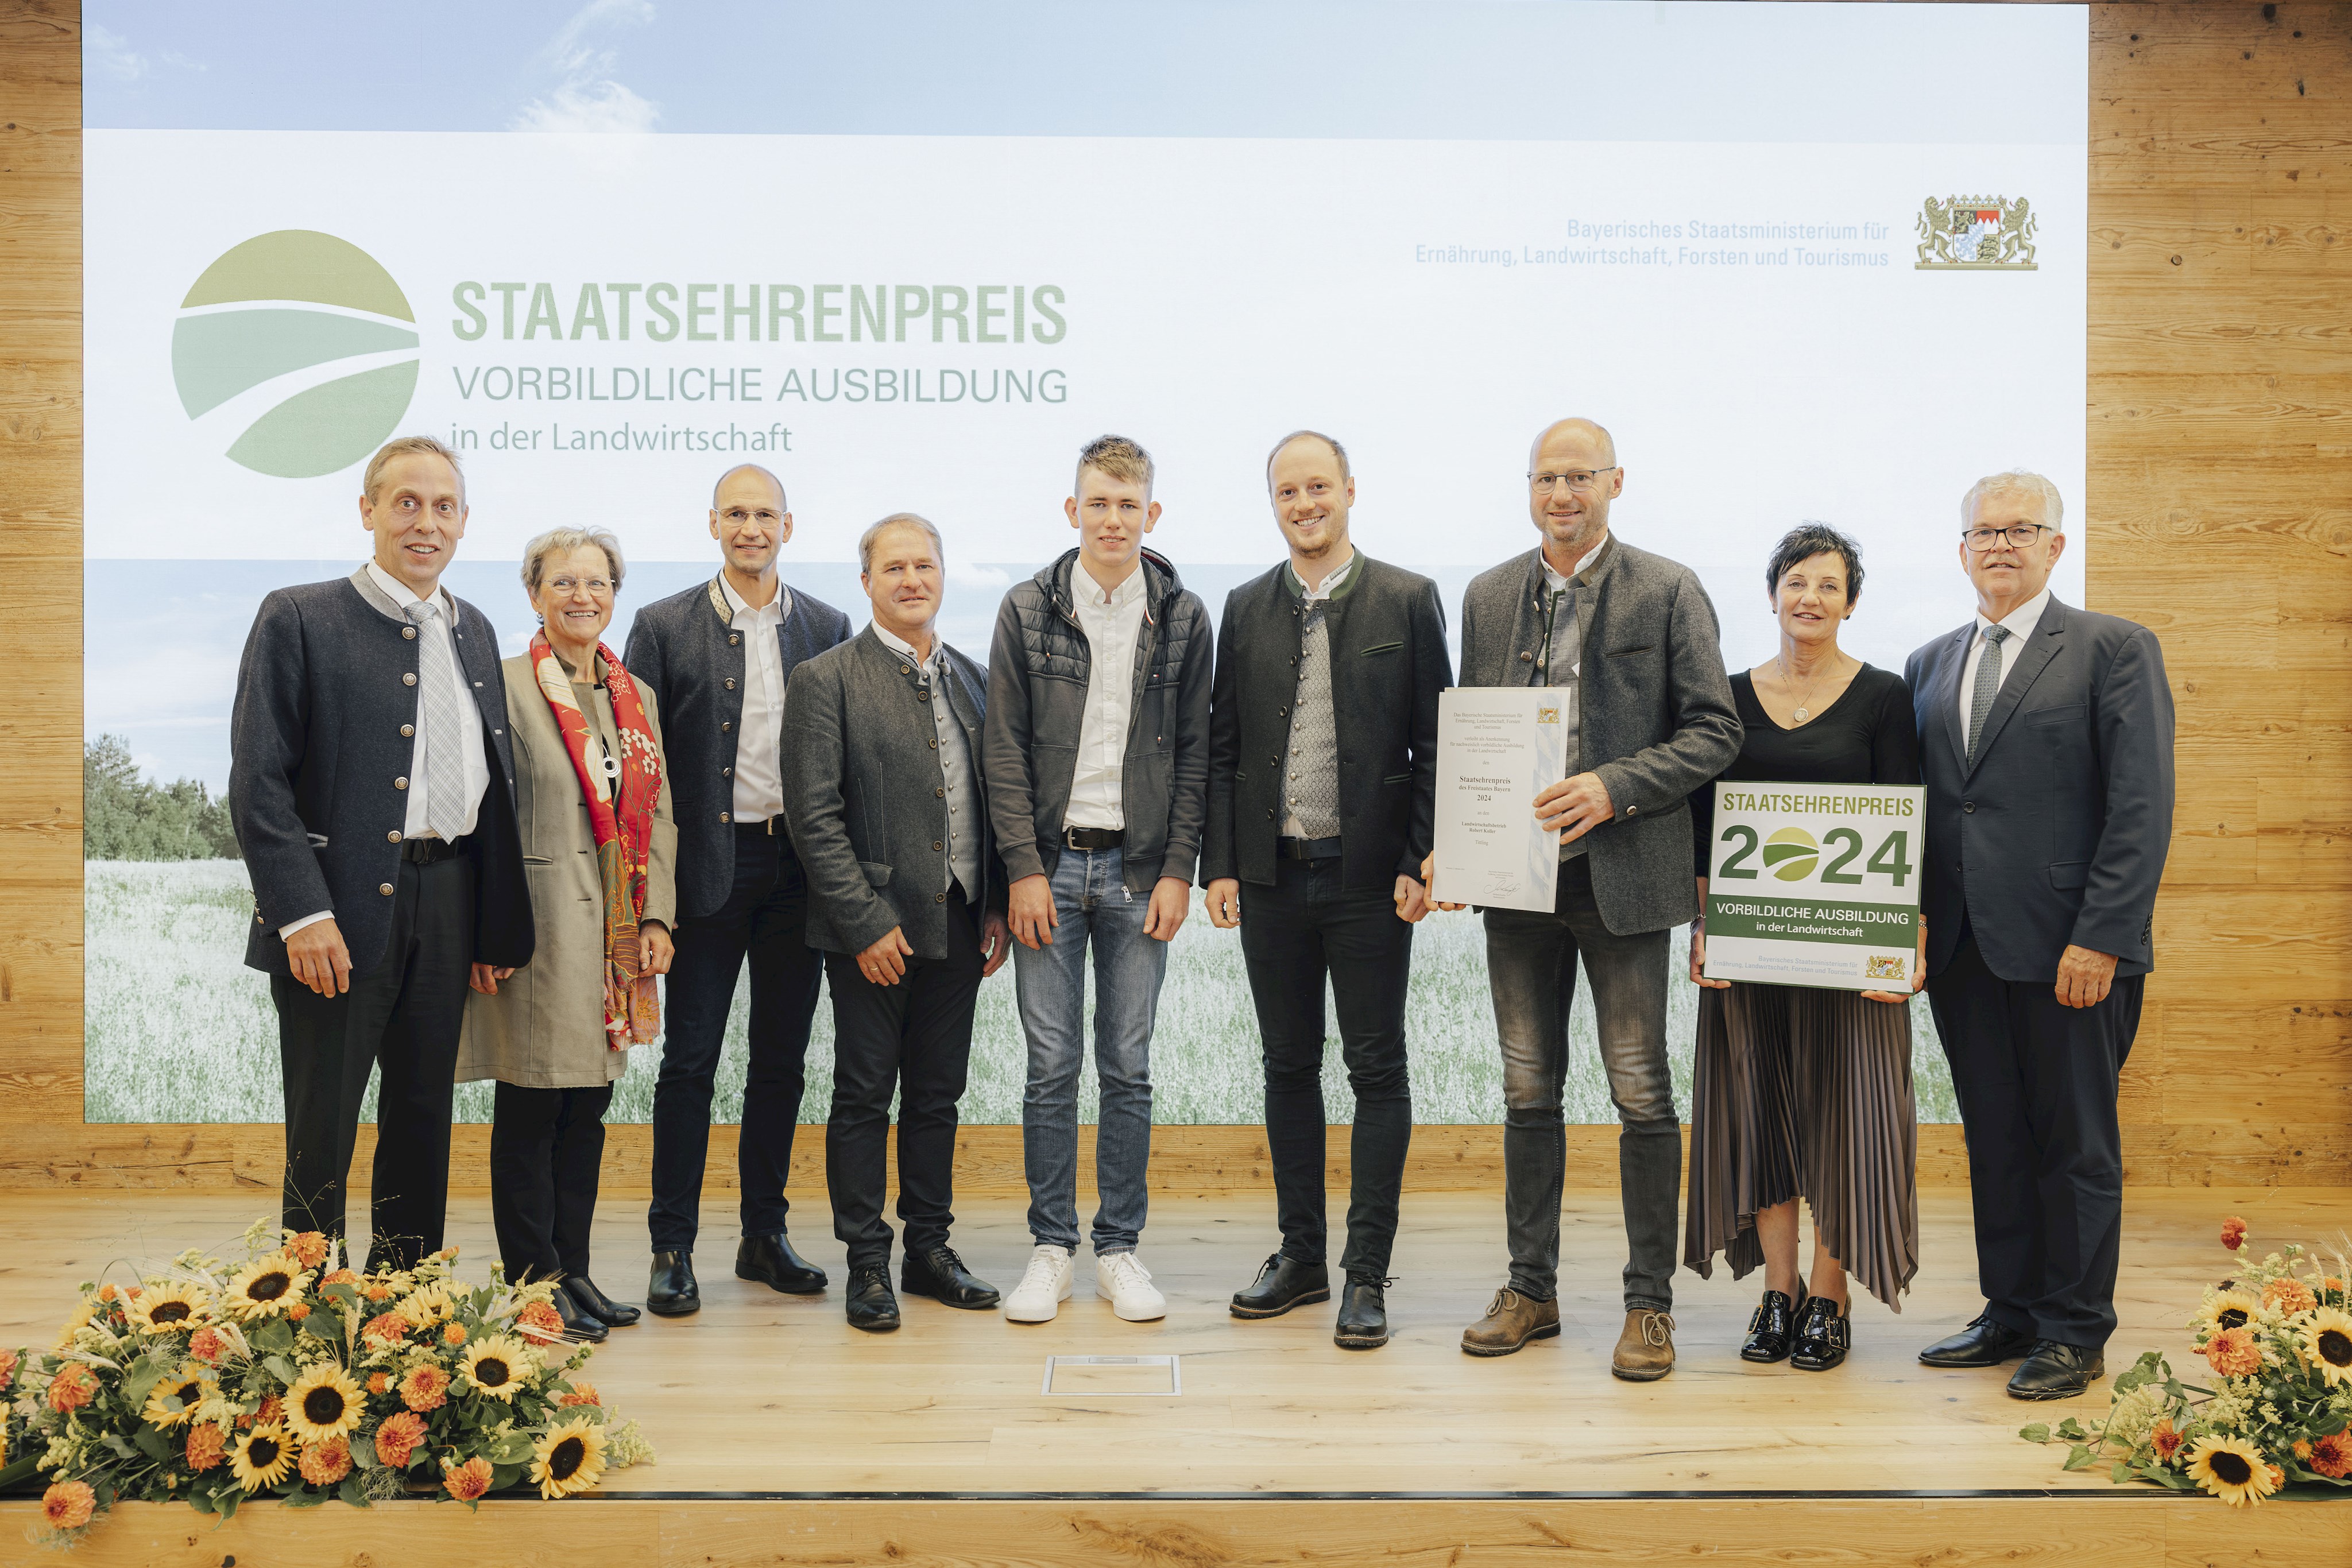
{"x": 759, "y": 739}
{"x": 474, "y": 760}
{"x": 2020, "y": 622}
{"x": 1557, "y": 584}
{"x": 1113, "y": 624}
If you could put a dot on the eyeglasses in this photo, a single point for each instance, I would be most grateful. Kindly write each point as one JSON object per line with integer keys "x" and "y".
{"x": 1579, "y": 481}
{"x": 598, "y": 586}
{"x": 2017, "y": 534}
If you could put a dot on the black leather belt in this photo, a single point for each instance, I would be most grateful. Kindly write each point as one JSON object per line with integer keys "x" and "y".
{"x": 1093, "y": 838}
{"x": 1290, "y": 849}
{"x": 424, "y": 851}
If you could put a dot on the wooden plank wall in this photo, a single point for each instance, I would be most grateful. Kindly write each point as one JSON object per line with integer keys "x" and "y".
{"x": 2218, "y": 513}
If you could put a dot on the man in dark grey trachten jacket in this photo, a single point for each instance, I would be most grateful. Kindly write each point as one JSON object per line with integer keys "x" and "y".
{"x": 1632, "y": 637}
{"x": 1097, "y": 757}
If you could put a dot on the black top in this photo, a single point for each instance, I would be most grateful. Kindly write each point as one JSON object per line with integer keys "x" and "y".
{"x": 1869, "y": 735}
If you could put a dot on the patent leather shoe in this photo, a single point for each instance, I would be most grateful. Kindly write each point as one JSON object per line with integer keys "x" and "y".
{"x": 771, "y": 1261}
{"x": 939, "y": 1274}
{"x": 2055, "y": 1371}
{"x": 1983, "y": 1342}
{"x": 1363, "y": 1314}
{"x": 1282, "y": 1282}
{"x": 870, "y": 1305}
{"x": 596, "y": 1303}
{"x": 578, "y": 1325}
{"x": 1824, "y": 1334}
{"x": 1772, "y": 1328}
{"x": 671, "y": 1290}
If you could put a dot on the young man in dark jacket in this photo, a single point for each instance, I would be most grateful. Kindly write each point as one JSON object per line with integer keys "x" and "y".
{"x": 1097, "y": 757}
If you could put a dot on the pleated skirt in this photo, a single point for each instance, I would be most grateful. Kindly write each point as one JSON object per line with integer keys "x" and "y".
{"x": 1800, "y": 1092}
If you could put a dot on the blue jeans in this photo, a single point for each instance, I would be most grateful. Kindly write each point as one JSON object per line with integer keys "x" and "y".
{"x": 1093, "y": 905}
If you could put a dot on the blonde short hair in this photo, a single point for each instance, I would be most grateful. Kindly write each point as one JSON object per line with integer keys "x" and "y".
{"x": 403, "y": 446}
{"x": 2018, "y": 482}
{"x": 898, "y": 520}
{"x": 563, "y": 541}
{"x": 1116, "y": 457}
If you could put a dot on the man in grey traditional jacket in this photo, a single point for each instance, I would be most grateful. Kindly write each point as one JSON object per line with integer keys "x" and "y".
{"x": 1631, "y": 637}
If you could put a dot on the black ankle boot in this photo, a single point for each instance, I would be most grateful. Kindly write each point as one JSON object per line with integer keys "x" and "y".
{"x": 1824, "y": 1335}
{"x": 1772, "y": 1328}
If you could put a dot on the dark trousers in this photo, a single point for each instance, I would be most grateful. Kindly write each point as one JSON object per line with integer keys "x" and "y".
{"x": 547, "y": 1150}
{"x": 1531, "y": 962}
{"x": 913, "y": 1037}
{"x": 763, "y": 920}
{"x": 2036, "y": 1083}
{"x": 401, "y": 1019}
{"x": 1294, "y": 933}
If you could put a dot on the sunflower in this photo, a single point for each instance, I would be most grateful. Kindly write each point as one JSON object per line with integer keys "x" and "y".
{"x": 187, "y": 1386}
{"x": 76, "y": 1321}
{"x": 267, "y": 1287}
{"x": 2233, "y": 1469}
{"x": 262, "y": 1456}
{"x": 569, "y": 1458}
{"x": 172, "y": 1307}
{"x": 2230, "y": 1309}
{"x": 323, "y": 1403}
{"x": 428, "y": 1306}
{"x": 497, "y": 1366}
{"x": 2327, "y": 1343}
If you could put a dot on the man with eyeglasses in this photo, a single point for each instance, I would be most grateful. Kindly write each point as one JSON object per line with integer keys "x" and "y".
{"x": 717, "y": 657}
{"x": 2045, "y": 743}
{"x": 1630, "y": 638}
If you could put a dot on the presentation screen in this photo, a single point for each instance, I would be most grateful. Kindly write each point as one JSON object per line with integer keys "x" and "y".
{"x": 1803, "y": 262}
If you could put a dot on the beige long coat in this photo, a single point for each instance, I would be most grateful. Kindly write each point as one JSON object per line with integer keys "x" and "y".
{"x": 545, "y": 1028}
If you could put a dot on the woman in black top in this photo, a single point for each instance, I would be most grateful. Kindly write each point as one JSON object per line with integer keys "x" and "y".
{"x": 1802, "y": 1091}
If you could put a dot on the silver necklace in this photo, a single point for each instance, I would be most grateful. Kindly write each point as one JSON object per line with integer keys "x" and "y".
{"x": 1802, "y": 711}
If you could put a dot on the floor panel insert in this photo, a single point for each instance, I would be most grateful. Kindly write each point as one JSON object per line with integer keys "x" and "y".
{"x": 1112, "y": 1376}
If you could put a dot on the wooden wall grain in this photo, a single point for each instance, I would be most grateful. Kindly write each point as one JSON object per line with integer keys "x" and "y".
{"x": 2219, "y": 513}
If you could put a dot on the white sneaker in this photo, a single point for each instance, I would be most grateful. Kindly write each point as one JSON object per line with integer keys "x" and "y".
{"x": 1043, "y": 1286}
{"x": 1122, "y": 1279}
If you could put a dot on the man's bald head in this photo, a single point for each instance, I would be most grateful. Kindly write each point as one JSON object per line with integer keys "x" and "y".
{"x": 1585, "y": 434}
{"x": 1572, "y": 477}
{"x": 748, "y": 471}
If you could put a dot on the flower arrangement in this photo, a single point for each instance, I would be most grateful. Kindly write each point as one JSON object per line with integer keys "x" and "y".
{"x": 2278, "y": 1337}
{"x": 289, "y": 1375}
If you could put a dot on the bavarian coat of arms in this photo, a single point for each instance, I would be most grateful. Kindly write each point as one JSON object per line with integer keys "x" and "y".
{"x": 1976, "y": 231}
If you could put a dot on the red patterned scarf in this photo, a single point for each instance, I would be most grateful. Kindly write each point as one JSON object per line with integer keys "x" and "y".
{"x": 621, "y": 797}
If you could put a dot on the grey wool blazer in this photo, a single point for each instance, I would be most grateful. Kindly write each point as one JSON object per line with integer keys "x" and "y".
{"x": 1654, "y": 711}
{"x": 862, "y": 785}
{"x": 545, "y": 1027}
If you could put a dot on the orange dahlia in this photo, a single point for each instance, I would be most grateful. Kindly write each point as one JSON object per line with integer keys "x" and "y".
{"x": 324, "y": 1464}
{"x": 7, "y": 1369}
{"x": 207, "y": 1446}
{"x": 207, "y": 1344}
{"x": 72, "y": 1388}
{"x": 540, "y": 1322}
{"x": 583, "y": 1393}
{"x": 2289, "y": 1295}
{"x": 310, "y": 1248}
{"x": 397, "y": 1439}
{"x": 2235, "y": 1354}
{"x": 2234, "y": 1233}
{"x": 380, "y": 1382}
{"x": 2167, "y": 1441}
{"x": 385, "y": 1328}
{"x": 453, "y": 1334}
{"x": 2331, "y": 1455}
{"x": 426, "y": 1388}
{"x": 69, "y": 1505}
{"x": 467, "y": 1481}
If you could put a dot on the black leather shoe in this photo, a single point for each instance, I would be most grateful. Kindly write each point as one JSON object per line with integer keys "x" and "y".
{"x": 871, "y": 1306}
{"x": 772, "y": 1260}
{"x": 1363, "y": 1314}
{"x": 1282, "y": 1282}
{"x": 596, "y": 1303}
{"x": 1771, "y": 1328}
{"x": 670, "y": 1291}
{"x": 1983, "y": 1342}
{"x": 1824, "y": 1334}
{"x": 940, "y": 1275}
{"x": 577, "y": 1324}
{"x": 2054, "y": 1370}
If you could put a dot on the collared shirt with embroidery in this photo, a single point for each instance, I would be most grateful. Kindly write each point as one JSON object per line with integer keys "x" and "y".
{"x": 957, "y": 775}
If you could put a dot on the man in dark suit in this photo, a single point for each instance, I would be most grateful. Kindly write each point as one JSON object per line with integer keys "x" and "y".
{"x": 1329, "y": 667}
{"x": 371, "y": 783}
{"x": 716, "y": 658}
{"x": 907, "y": 898}
{"x": 2045, "y": 742}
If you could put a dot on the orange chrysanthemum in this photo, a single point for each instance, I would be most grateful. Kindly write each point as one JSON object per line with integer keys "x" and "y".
{"x": 7, "y": 1369}
{"x": 72, "y": 1388}
{"x": 207, "y": 1446}
{"x": 380, "y": 1382}
{"x": 453, "y": 1334}
{"x": 385, "y": 1328}
{"x": 324, "y": 1464}
{"x": 69, "y": 1505}
{"x": 272, "y": 1409}
{"x": 341, "y": 1276}
{"x": 377, "y": 1292}
{"x": 2167, "y": 1441}
{"x": 2332, "y": 1456}
{"x": 109, "y": 1292}
{"x": 298, "y": 1311}
{"x": 2234, "y": 1233}
{"x": 467, "y": 1481}
{"x": 208, "y": 1344}
{"x": 2235, "y": 1354}
{"x": 397, "y": 1439}
{"x": 540, "y": 1322}
{"x": 583, "y": 1393}
{"x": 426, "y": 1388}
{"x": 310, "y": 1248}
{"x": 2289, "y": 1296}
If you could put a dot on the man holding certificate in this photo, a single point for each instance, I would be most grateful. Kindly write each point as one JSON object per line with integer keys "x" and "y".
{"x": 1627, "y": 642}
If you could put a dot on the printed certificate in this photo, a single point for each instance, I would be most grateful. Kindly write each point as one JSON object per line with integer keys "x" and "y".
{"x": 1497, "y": 749}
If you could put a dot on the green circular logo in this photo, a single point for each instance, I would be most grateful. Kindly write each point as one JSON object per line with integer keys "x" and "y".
{"x": 1789, "y": 855}
{"x": 254, "y": 319}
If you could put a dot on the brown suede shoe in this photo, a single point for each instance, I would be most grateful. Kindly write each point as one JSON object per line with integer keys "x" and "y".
{"x": 1511, "y": 1322}
{"x": 1645, "y": 1351}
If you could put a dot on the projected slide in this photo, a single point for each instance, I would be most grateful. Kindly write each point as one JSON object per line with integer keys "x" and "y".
{"x": 1810, "y": 264}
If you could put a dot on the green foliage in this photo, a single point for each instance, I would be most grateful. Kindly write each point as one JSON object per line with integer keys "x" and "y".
{"x": 127, "y": 817}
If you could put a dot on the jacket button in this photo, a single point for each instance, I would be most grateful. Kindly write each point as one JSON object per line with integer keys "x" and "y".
{"x": 939, "y": 794}
{"x": 385, "y": 888}
{"x": 938, "y": 898}
{"x": 409, "y": 632}
{"x": 733, "y": 638}
{"x": 1526, "y": 658}
{"x": 730, "y": 683}
{"x": 392, "y": 837}
{"x": 408, "y": 680}
{"x": 935, "y": 743}
{"x": 1632, "y": 811}
{"x": 937, "y": 845}
{"x": 923, "y": 697}
{"x": 725, "y": 725}
{"x": 400, "y": 783}
{"x": 407, "y": 729}
{"x": 905, "y": 669}
{"x": 725, "y": 818}
{"x": 1282, "y": 713}
{"x": 727, "y": 773}
{"x": 1968, "y": 805}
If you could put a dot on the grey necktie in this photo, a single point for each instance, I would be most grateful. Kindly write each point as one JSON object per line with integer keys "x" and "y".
{"x": 1988, "y": 685}
{"x": 445, "y": 761}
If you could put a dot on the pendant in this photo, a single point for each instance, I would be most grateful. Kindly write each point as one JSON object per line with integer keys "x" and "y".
{"x": 1802, "y": 716}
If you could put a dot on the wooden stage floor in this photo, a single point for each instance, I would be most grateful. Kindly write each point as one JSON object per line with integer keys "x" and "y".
{"x": 765, "y": 1398}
